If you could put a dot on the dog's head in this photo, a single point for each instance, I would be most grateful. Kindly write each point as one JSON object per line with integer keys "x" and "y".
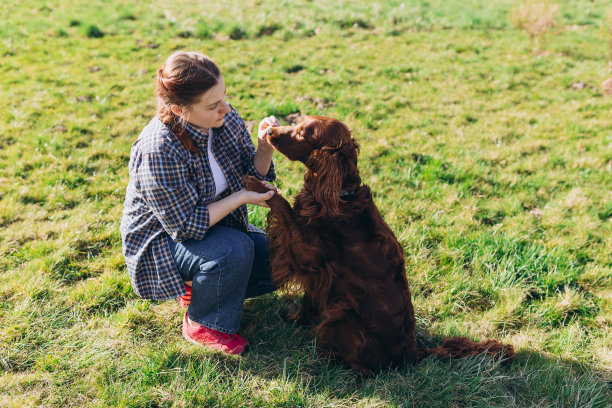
{"x": 328, "y": 151}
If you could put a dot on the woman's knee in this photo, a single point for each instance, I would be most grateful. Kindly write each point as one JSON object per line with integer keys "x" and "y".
{"x": 241, "y": 251}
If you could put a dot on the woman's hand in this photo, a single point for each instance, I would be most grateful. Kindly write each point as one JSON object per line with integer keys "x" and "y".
{"x": 219, "y": 209}
{"x": 262, "y": 137}
{"x": 252, "y": 197}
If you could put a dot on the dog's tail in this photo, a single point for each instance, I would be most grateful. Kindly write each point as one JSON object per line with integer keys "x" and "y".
{"x": 462, "y": 347}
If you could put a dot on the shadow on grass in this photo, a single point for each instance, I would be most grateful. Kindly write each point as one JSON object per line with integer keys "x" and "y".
{"x": 282, "y": 369}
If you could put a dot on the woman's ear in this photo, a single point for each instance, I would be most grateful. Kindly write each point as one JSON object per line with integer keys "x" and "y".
{"x": 177, "y": 110}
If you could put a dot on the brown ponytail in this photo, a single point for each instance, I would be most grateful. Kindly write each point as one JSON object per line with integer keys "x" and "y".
{"x": 183, "y": 78}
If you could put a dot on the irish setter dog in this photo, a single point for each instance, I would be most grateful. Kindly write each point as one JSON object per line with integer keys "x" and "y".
{"x": 335, "y": 246}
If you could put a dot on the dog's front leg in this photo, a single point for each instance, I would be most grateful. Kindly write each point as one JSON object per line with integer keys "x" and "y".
{"x": 292, "y": 237}
{"x": 294, "y": 255}
{"x": 280, "y": 219}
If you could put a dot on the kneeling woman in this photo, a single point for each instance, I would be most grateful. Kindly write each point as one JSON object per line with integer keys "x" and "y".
{"x": 184, "y": 227}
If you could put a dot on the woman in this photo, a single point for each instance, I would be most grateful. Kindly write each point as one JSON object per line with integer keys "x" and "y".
{"x": 185, "y": 222}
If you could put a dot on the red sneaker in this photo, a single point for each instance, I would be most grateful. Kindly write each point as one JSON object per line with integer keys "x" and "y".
{"x": 213, "y": 339}
{"x": 242, "y": 339}
{"x": 185, "y": 300}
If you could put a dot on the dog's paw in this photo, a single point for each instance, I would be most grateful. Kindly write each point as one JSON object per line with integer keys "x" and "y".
{"x": 254, "y": 184}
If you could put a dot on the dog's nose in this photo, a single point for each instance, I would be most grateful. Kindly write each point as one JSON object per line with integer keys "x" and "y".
{"x": 269, "y": 131}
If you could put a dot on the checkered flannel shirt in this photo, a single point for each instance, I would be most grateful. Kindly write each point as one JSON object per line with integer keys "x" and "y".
{"x": 168, "y": 194}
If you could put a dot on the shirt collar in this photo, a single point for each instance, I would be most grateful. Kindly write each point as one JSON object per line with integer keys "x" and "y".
{"x": 198, "y": 135}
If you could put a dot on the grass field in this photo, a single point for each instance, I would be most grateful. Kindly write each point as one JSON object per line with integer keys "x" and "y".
{"x": 492, "y": 164}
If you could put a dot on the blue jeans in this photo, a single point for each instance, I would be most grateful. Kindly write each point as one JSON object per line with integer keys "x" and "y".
{"x": 225, "y": 267}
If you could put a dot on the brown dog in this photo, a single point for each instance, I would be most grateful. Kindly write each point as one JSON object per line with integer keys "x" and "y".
{"x": 335, "y": 246}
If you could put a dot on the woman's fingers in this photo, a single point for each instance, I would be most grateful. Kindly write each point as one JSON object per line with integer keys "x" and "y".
{"x": 270, "y": 186}
{"x": 259, "y": 198}
{"x": 269, "y": 121}
{"x": 267, "y": 196}
{"x": 263, "y": 198}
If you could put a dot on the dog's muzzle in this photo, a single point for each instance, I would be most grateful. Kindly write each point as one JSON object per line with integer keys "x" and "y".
{"x": 269, "y": 131}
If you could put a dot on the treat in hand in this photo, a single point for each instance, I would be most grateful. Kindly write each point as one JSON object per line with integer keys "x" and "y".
{"x": 264, "y": 127}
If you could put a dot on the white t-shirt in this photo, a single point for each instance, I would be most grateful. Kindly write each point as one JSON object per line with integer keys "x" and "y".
{"x": 220, "y": 180}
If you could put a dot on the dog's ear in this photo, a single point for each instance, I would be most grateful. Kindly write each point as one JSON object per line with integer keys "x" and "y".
{"x": 327, "y": 181}
{"x": 350, "y": 151}
{"x": 335, "y": 168}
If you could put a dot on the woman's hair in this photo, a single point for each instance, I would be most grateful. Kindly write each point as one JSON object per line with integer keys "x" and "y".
{"x": 183, "y": 78}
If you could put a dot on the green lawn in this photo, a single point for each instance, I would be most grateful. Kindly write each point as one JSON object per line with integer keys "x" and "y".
{"x": 492, "y": 164}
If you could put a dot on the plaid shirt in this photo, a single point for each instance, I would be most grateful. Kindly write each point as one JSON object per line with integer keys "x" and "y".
{"x": 168, "y": 194}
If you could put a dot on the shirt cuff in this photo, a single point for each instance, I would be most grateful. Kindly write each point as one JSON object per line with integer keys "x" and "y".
{"x": 270, "y": 176}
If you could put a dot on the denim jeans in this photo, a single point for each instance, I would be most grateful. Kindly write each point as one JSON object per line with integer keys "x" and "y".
{"x": 225, "y": 267}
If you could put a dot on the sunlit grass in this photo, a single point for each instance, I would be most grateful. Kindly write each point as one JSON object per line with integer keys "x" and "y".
{"x": 491, "y": 164}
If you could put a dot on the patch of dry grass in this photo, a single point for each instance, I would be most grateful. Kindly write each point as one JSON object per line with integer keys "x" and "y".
{"x": 537, "y": 18}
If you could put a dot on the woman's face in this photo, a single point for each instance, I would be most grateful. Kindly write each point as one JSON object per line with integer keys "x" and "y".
{"x": 210, "y": 110}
